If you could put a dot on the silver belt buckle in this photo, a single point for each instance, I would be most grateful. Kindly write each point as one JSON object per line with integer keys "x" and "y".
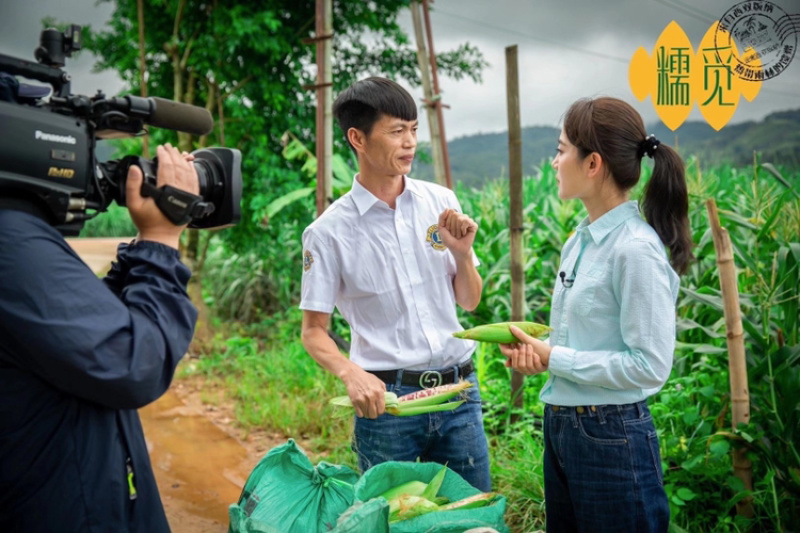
{"x": 430, "y": 379}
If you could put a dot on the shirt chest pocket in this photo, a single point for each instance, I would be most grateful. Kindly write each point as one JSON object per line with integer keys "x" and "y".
{"x": 369, "y": 269}
{"x": 583, "y": 297}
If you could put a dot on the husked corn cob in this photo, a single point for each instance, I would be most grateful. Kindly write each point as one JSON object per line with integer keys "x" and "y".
{"x": 500, "y": 333}
{"x": 417, "y": 403}
{"x": 434, "y": 395}
{"x": 429, "y": 400}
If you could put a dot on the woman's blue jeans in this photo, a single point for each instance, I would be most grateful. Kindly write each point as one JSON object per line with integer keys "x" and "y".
{"x": 602, "y": 470}
{"x": 455, "y": 438}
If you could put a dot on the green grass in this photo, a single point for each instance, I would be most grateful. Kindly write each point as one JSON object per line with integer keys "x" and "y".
{"x": 275, "y": 383}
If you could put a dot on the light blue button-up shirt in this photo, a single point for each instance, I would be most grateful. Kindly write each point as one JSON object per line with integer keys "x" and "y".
{"x": 613, "y": 332}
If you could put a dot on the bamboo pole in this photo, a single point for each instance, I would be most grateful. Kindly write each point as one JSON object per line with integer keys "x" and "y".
{"x": 437, "y": 95}
{"x": 515, "y": 191}
{"x": 430, "y": 107}
{"x": 324, "y": 25}
{"x": 142, "y": 68}
{"x": 737, "y": 366}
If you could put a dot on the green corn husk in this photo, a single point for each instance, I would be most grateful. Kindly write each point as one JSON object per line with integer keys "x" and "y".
{"x": 414, "y": 488}
{"x": 423, "y": 409}
{"x": 500, "y": 333}
{"x": 408, "y": 507}
{"x": 389, "y": 398}
{"x": 435, "y": 484}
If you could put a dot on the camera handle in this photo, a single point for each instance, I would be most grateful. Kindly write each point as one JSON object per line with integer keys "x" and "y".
{"x": 179, "y": 206}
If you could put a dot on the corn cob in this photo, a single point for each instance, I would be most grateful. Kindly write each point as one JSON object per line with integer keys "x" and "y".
{"x": 500, "y": 332}
{"x": 417, "y": 403}
{"x": 414, "y": 488}
{"x": 408, "y": 507}
{"x": 433, "y": 396}
{"x": 473, "y": 502}
{"x": 429, "y": 400}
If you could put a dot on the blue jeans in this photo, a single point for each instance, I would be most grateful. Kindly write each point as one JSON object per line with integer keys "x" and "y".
{"x": 455, "y": 437}
{"x": 602, "y": 470}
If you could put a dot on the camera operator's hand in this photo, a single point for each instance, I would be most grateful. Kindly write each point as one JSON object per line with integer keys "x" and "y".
{"x": 174, "y": 169}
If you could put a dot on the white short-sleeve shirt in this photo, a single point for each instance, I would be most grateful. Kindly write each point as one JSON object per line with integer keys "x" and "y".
{"x": 389, "y": 275}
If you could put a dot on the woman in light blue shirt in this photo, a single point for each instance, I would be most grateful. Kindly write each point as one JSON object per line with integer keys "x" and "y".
{"x": 613, "y": 320}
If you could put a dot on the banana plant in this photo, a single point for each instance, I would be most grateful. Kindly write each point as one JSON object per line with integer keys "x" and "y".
{"x": 294, "y": 149}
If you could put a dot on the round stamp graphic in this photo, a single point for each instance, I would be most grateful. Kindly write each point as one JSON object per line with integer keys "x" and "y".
{"x": 765, "y": 37}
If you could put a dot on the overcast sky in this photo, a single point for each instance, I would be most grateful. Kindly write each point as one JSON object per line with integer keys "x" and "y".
{"x": 567, "y": 50}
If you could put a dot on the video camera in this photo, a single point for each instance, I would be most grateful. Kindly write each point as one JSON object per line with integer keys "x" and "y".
{"x": 47, "y": 149}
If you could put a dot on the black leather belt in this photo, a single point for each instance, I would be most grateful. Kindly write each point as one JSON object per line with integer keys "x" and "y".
{"x": 426, "y": 378}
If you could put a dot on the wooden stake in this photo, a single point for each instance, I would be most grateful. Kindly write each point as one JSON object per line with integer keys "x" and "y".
{"x": 142, "y": 68}
{"x": 737, "y": 366}
{"x": 425, "y": 76}
{"x": 437, "y": 96}
{"x": 324, "y": 153}
{"x": 515, "y": 191}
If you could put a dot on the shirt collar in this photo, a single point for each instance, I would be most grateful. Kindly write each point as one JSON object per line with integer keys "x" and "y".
{"x": 609, "y": 221}
{"x": 364, "y": 200}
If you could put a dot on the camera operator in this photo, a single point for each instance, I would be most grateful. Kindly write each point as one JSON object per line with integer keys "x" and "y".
{"x": 79, "y": 355}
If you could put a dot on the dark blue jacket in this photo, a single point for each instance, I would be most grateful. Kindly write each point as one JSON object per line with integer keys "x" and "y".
{"x": 78, "y": 356}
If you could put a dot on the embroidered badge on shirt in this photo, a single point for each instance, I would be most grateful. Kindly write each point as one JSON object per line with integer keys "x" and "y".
{"x": 434, "y": 238}
{"x": 307, "y": 260}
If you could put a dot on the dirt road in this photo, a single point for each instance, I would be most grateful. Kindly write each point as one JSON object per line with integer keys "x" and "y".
{"x": 200, "y": 467}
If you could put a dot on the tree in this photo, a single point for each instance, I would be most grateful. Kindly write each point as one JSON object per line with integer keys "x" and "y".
{"x": 245, "y": 62}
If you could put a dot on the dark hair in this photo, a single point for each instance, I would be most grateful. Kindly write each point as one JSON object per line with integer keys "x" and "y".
{"x": 615, "y": 130}
{"x": 363, "y": 104}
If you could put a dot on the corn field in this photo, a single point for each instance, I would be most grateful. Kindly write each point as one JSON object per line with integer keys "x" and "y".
{"x": 759, "y": 206}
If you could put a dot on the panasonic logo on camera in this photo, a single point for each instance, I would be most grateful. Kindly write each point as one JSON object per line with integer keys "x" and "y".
{"x": 64, "y": 139}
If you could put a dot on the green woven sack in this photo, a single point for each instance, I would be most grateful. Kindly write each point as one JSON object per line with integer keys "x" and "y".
{"x": 285, "y": 493}
{"x": 365, "y": 517}
{"x": 384, "y": 476}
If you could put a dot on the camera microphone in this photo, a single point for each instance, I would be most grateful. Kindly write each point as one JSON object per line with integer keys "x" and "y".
{"x": 182, "y": 117}
{"x": 158, "y": 112}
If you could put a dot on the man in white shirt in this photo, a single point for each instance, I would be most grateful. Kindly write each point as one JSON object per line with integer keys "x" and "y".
{"x": 395, "y": 256}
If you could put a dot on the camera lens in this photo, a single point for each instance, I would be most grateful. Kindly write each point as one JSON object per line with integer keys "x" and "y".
{"x": 219, "y": 176}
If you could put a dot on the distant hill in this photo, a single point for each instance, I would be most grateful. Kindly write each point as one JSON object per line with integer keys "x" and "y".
{"x": 476, "y": 158}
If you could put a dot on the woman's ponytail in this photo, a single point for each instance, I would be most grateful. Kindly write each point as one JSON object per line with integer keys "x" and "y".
{"x": 665, "y": 203}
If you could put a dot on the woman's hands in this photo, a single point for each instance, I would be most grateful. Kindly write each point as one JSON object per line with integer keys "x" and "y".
{"x": 528, "y": 356}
